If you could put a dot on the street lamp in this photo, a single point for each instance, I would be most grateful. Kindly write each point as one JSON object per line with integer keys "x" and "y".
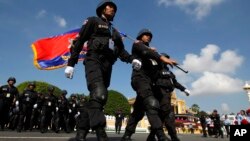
{"x": 247, "y": 89}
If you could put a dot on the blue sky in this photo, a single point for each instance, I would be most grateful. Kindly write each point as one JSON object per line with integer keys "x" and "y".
{"x": 209, "y": 38}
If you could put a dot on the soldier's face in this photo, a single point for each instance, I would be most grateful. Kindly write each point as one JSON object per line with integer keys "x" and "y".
{"x": 11, "y": 82}
{"x": 31, "y": 87}
{"x": 109, "y": 11}
{"x": 146, "y": 38}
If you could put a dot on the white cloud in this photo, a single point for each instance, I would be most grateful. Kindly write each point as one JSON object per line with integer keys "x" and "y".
{"x": 60, "y": 21}
{"x": 198, "y": 8}
{"x": 227, "y": 62}
{"x": 211, "y": 72}
{"x": 41, "y": 14}
{"x": 216, "y": 84}
{"x": 225, "y": 108}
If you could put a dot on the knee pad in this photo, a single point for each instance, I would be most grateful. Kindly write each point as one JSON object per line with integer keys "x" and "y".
{"x": 152, "y": 105}
{"x": 99, "y": 93}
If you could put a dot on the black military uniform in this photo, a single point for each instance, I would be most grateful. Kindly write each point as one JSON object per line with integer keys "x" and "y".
{"x": 203, "y": 125}
{"x": 105, "y": 45}
{"x": 119, "y": 117}
{"x": 73, "y": 111}
{"x": 164, "y": 85}
{"x": 8, "y": 94}
{"x": 142, "y": 83}
{"x": 48, "y": 109}
{"x": 14, "y": 117}
{"x": 82, "y": 120}
{"x": 36, "y": 112}
{"x": 62, "y": 113}
{"x": 27, "y": 99}
{"x": 215, "y": 117}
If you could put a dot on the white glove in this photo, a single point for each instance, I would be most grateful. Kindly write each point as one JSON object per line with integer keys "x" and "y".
{"x": 136, "y": 64}
{"x": 57, "y": 108}
{"x": 69, "y": 71}
{"x": 70, "y": 110}
{"x": 17, "y": 103}
{"x": 187, "y": 92}
{"x": 76, "y": 115}
{"x": 35, "y": 106}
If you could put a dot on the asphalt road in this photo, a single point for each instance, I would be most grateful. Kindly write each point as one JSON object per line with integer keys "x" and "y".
{"x": 50, "y": 136}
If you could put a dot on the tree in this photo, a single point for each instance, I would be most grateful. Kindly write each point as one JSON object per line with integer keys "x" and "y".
{"x": 40, "y": 87}
{"x": 116, "y": 101}
{"x": 201, "y": 113}
{"x": 195, "y": 108}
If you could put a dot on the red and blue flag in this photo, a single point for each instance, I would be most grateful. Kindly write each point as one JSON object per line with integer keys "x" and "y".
{"x": 53, "y": 52}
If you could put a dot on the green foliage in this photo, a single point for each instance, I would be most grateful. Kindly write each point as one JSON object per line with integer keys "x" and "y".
{"x": 116, "y": 101}
{"x": 40, "y": 87}
{"x": 202, "y": 113}
{"x": 195, "y": 108}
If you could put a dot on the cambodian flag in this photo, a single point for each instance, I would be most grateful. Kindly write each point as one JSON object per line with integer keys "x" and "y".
{"x": 53, "y": 52}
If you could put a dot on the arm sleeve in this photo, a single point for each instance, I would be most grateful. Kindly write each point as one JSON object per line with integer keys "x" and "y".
{"x": 122, "y": 53}
{"x": 143, "y": 51}
{"x": 176, "y": 83}
{"x": 83, "y": 36}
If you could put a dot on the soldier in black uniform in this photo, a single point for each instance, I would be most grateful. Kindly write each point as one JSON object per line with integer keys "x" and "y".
{"x": 203, "y": 124}
{"x": 164, "y": 85}
{"x": 73, "y": 111}
{"x": 105, "y": 45}
{"x": 14, "y": 117}
{"x": 62, "y": 113}
{"x": 36, "y": 112}
{"x": 82, "y": 120}
{"x": 8, "y": 94}
{"x": 142, "y": 83}
{"x": 26, "y": 101}
{"x": 119, "y": 117}
{"x": 215, "y": 117}
{"x": 48, "y": 109}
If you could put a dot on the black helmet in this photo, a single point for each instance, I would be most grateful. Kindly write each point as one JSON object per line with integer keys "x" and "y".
{"x": 102, "y": 5}
{"x": 32, "y": 84}
{"x": 72, "y": 95}
{"x": 164, "y": 54}
{"x": 143, "y": 32}
{"x": 12, "y": 79}
{"x": 64, "y": 92}
{"x": 50, "y": 88}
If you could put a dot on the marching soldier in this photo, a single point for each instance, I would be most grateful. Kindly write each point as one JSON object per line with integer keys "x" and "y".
{"x": 27, "y": 99}
{"x": 48, "y": 109}
{"x": 62, "y": 112}
{"x": 8, "y": 95}
{"x": 105, "y": 45}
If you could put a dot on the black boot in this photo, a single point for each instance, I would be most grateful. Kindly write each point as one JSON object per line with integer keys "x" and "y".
{"x": 81, "y": 135}
{"x": 161, "y": 135}
{"x": 101, "y": 134}
{"x": 151, "y": 136}
{"x": 127, "y": 136}
{"x": 174, "y": 138}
